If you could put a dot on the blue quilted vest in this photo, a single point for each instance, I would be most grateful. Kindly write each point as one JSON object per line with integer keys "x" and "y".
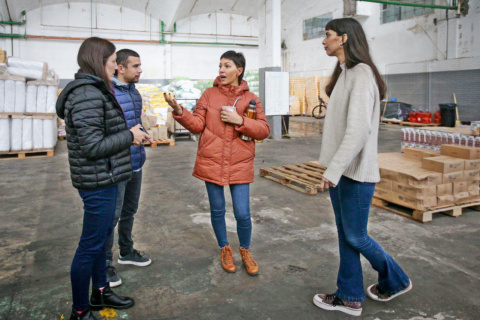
{"x": 131, "y": 102}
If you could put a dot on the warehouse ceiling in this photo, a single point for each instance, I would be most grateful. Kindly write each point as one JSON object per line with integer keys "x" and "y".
{"x": 167, "y": 10}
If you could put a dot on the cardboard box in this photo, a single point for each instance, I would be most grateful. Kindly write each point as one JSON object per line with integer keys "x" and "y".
{"x": 472, "y": 164}
{"x": 462, "y": 152}
{"x": 383, "y": 194}
{"x": 389, "y": 174}
{"x": 419, "y": 177}
{"x": 384, "y": 184}
{"x": 145, "y": 122}
{"x": 459, "y": 187}
{"x": 472, "y": 175}
{"x": 445, "y": 200}
{"x": 414, "y": 192}
{"x": 443, "y": 164}
{"x": 419, "y": 154}
{"x": 453, "y": 177}
{"x": 473, "y": 189}
{"x": 152, "y": 120}
{"x": 418, "y": 204}
{"x": 444, "y": 189}
{"x": 162, "y": 132}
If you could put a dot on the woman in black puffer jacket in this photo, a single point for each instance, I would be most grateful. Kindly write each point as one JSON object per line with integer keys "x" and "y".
{"x": 98, "y": 143}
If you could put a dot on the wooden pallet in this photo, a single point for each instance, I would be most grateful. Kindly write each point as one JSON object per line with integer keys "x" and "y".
{"x": 424, "y": 216}
{"x": 413, "y": 124}
{"x": 27, "y": 154}
{"x": 167, "y": 142}
{"x": 410, "y": 124}
{"x": 303, "y": 177}
{"x": 62, "y": 138}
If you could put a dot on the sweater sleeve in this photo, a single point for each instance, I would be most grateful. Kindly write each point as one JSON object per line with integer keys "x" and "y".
{"x": 194, "y": 122}
{"x": 258, "y": 128}
{"x": 359, "y": 116}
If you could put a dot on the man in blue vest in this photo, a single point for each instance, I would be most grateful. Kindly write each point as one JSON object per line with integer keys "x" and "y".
{"x": 128, "y": 73}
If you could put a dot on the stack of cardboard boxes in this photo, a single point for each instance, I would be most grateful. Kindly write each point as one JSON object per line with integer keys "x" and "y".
{"x": 424, "y": 179}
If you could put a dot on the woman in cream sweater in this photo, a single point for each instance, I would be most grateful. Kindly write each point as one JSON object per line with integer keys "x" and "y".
{"x": 349, "y": 151}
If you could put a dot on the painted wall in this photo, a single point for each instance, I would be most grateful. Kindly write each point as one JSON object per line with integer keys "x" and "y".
{"x": 159, "y": 61}
{"x": 404, "y": 42}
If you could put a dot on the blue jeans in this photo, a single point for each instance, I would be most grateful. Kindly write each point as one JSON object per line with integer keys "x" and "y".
{"x": 128, "y": 198}
{"x": 241, "y": 209}
{"x": 89, "y": 260}
{"x": 351, "y": 202}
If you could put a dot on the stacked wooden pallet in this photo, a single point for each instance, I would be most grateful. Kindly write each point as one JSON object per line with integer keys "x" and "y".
{"x": 303, "y": 177}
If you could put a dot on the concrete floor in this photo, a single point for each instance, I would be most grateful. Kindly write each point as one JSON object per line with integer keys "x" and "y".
{"x": 294, "y": 242}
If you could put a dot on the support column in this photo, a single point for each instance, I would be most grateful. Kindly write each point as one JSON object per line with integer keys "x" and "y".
{"x": 270, "y": 52}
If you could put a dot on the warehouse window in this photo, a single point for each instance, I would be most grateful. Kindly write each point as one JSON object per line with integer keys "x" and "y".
{"x": 315, "y": 27}
{"x": 391, "y": 13}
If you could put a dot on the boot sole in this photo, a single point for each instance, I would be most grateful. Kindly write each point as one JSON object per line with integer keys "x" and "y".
{"x": 325, "y": 306}
{"x": 97, "y": 308}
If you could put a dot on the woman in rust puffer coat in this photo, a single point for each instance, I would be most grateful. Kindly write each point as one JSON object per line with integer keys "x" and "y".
{"x": 223, "y": 158}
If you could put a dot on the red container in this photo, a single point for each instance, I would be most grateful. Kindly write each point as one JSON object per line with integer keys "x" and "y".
{"x": 437, "y": 117}
{"x": 412, "y": 116}
{"x": 426, "y": 117}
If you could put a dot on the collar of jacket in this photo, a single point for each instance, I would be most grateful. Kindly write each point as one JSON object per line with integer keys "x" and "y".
{"x": 124, "y": 86}
{"x": 230, "y": 90}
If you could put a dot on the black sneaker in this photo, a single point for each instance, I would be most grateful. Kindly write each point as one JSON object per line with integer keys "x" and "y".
{"x": 112, "y": 277}
{"x": 136, "y": 258}
{"x": 333, "y": 303}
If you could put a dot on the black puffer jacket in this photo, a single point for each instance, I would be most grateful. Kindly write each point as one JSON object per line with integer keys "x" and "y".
{"x": 97, "y": 135}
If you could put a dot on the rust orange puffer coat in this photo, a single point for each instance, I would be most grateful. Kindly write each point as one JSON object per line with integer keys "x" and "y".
{"x": 222, "y": 157}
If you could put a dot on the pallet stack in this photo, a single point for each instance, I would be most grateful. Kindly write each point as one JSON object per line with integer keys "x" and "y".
{"x": 306, "y": 91}
{"x": 297, "y": 88}
{"x": 430, "y": 181}
{"x": 28, "y": 122}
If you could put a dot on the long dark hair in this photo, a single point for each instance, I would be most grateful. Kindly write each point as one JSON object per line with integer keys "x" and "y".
{"x": 356, "y": 51}
{"x": 93, "y": 55}
{"x": 238, "y": 58}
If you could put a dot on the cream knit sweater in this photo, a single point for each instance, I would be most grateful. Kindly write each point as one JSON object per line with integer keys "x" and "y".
{"x": 350, "y": 132}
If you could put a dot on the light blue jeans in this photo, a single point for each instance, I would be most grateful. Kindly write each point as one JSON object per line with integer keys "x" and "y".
{"x": 241, "y": 209}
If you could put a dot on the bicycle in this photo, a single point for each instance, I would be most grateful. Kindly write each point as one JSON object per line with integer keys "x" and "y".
{"x": 320, "y": 111}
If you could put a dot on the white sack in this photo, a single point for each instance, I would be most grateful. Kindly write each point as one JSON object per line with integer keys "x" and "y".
{"x": 20, "y": 96}
{"x": 27, "y": 73}
{"x": 4, "y": 134}
{"x": 25, "y": 64}
{"x": 16, "y": 135}
{"x": 9, "y": 96}
{"x": 31, "y": 106}
{"x": 51, "y": 98}
{"x": 27, "y": 134}
{"x": 49, "y": 133}
{"x": 2, "y": 95}
{"x": 37, "y": 133}
{"x": 42, "y": 99}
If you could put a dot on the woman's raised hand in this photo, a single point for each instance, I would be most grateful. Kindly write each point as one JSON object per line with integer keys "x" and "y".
{"x": 172, "y": 102}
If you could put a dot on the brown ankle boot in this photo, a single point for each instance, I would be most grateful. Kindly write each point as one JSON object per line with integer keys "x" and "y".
{"x": 250, "y": 265}
{"x": 227, "y": 259}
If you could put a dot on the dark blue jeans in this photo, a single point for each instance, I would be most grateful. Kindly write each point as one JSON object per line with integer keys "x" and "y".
{"x": 351, "y": 202}
{"x": 89, "y": 260}
{"x": 128, "y": 198}
{"x": 241, "y": 209}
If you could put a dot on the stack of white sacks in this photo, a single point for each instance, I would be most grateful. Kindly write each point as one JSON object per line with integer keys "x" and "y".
{"x": 27, "y": 109}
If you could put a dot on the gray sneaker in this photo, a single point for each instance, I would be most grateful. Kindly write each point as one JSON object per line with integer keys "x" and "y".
{"x": 112, "y": 277}
{"x": 333, "y": 303}
{"x": 136, "y": 258}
